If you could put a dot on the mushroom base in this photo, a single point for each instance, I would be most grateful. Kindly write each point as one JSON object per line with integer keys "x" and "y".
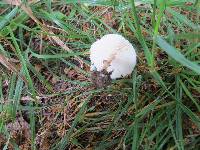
{"x": 101, "y": 79}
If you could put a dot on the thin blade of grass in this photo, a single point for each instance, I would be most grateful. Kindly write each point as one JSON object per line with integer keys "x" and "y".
{"x": 191, "y": 48}
{"x": 190, "y": 36}
{"x": 175, "y": 54}
{"x": 12, "y": 86}
{"x": 13, "y": 24}
{"x": 136, "y": 86}
{"x": 188, "y": 93}
{"x": 65, "y": 141}
{"x": 183, "y": 19}
{"x": 140, "y": 37}
{"x": 178, "y": 114}
{"x": 195, "y": 118}
{"x": 57, "y": 56}
{"x": 3, "y": 51}
{"x": 6, "y": 19}
{"x": 1, "y": 101}
{"x": 171, "y": 121}
{"x": 17, "y": 96}
{"x": 30, "y": 85}
{"x": 157, "y": 24}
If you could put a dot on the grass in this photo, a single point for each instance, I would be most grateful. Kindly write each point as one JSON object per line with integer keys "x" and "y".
{"x": 48, "y": 101}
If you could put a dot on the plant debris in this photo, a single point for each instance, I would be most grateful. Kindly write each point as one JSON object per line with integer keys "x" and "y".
{"x": 101, "y": 78}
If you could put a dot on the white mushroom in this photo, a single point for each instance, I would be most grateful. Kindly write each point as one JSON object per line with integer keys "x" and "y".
{"x": 114, "y": 54}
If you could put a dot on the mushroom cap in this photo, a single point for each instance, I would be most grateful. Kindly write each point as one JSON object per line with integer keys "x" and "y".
{"x": 122, "y": 63}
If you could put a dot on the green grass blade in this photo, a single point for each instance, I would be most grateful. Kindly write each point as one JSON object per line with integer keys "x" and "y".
{"x": 175, "y": 54}
{"x": 157, "y": 24}
{"x": 190, "y": 36}
{"x": 58, "y": 56}
{"x": 195, "y": 118}
{"x": 6, "y": 19}
{"x": 17, "y": 96}
{"x": 13, "y": 24}
{"x": 183, "y": 19}
{"x": 136, "y": 86}
{"x": 179, "y": 128}
{"x": 65, "y": 141}
{"x": 1, "y": 94}
{"x": 30, "y": 84}
{"x": 140, "y": 37}
{"x": 188, "y": 93}
{"x": 12, "y": 86}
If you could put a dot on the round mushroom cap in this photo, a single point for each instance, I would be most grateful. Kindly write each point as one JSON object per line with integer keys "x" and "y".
{"x": 124, "y": 59}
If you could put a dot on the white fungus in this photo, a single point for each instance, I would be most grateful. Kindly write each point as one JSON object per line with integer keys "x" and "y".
{"x": 114, "y": 54}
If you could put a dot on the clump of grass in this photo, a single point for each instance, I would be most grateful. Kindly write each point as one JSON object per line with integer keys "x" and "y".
{"x": 45, "y": 81}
